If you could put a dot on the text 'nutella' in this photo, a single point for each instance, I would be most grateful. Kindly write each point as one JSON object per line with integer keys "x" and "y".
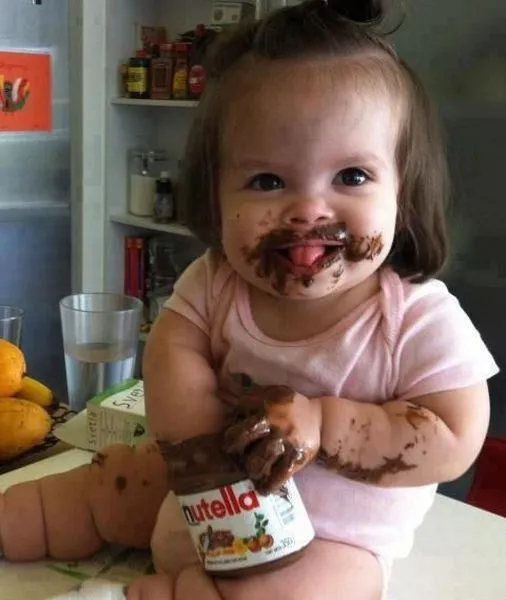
{"x": 234, "y": 527}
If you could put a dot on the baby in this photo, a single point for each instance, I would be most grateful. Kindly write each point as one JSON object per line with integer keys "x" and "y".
{"x": 316, "y": 176}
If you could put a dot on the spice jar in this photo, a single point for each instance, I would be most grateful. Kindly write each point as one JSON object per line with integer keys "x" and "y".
{"x": 162, "y": 72}
{"x": 138, "y": 75}
{"x": 180, "y": 79}
{"x": 196, "y": 70}
{"x": 144, "y": 168}
{"x": 163, "y": 211}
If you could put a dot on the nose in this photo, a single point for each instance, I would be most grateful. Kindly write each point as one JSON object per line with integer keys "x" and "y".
{"x": 307, "y": 212}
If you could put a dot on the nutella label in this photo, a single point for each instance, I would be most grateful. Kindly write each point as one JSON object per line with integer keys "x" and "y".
{"x": 233, "y": 527}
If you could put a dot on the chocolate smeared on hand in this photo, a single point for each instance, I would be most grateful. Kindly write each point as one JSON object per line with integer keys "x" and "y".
{"x": 274, "y": 442}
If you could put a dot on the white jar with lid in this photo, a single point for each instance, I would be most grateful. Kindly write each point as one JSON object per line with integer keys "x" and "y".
{"x": 144, "y": 168}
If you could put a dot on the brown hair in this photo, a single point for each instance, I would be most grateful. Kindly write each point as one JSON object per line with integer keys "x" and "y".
{"x": 326, "y": 29}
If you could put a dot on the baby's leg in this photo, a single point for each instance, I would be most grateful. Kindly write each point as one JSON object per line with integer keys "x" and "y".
{"x": 328, "y": 571}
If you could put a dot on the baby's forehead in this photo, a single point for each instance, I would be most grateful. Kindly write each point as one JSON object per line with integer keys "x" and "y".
{"x": 305, "y": 89}
{"x": 370, "y": 72}
{"x": 302, "y": 103}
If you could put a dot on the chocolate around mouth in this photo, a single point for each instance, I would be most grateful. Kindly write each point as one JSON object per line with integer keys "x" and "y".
{"x": 333, "y": 251}
{"x": 273, "y": 262}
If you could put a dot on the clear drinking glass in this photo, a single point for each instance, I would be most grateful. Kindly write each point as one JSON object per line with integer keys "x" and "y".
{"x": 100, "y": 339}
{"x": 11, "y": 323}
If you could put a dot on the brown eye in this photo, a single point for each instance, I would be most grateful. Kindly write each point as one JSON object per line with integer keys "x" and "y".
{"x": 352, "y": 177}
{"x": 266, "y": 182}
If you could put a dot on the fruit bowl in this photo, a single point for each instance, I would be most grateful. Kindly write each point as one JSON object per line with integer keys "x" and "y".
{"x": 60, "y": 413}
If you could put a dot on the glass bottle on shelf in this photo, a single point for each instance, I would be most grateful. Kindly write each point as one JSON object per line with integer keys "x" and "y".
{"x": 162, "y": 71}
{"x": 163, "y": 211}
{"x": 144, "y": 168}
{"x": 180, "y": 79}
{"x": 138, "y": 76}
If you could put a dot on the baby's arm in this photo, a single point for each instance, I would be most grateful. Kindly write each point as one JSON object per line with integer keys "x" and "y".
{"x": 430, "y": 439}
{"x": 180, "y": 384}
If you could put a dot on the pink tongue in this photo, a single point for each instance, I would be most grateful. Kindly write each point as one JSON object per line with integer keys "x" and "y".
{"x": 305, "y": 256}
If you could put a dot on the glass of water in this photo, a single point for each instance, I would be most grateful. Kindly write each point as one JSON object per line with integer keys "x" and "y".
{"x": 100, "y": 338}
{"x": 11, "y": 324}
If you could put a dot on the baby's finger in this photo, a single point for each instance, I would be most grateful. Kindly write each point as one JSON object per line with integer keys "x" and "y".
{"x": 282, "y": 470}
{"x": 238, "y": 437}
{"x": 264, "y": 455}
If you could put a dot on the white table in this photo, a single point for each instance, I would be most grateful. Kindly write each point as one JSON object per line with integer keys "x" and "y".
{"x": 459, "y": 554}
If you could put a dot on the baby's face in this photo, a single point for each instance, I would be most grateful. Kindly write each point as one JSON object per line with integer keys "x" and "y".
{"x": 309, "y": 182}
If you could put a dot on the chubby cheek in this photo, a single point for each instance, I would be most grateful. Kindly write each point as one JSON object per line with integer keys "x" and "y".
{"x": 243, "y": 228}
{"x": 371, "y": 233}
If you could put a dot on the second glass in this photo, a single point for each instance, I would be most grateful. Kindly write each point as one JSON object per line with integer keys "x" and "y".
{"x": 100, "y": 339}
{"x": 11, "y": 324}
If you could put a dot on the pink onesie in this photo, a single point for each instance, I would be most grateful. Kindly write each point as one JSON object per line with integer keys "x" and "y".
{"x": 406, "y": 341}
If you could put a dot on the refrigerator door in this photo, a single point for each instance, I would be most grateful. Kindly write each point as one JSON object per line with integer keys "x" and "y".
{"x": 35, "y": 193}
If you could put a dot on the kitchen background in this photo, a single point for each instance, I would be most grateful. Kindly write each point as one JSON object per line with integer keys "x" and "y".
{"x": 461, "y": 56}
{"x": 35, "y": 194}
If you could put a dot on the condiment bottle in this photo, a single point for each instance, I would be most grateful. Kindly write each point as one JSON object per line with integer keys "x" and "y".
{"x": 162, "y": 72}
{"x": 197, "y": 73}
{"x": 144, "y": 169}
{"x": 180, "y": 80}
{"x": 138, "y": 76}
{"x": 163, "y": 211}
{"x": 235, "y": 530}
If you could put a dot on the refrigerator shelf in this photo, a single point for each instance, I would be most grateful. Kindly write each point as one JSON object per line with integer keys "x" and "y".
{"x": 156, "y": 103}
{"x": 148, "y": 223}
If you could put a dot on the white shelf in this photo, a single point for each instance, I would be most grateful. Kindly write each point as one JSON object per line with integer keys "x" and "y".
{"x": 147, "y": 223}
{"x": 156, "y": 103}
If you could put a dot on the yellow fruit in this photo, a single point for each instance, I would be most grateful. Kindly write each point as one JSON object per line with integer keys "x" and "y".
{"x": 12, "y": 368}
{"x": 23, "y": 425}
{"x": 35, "y": 391}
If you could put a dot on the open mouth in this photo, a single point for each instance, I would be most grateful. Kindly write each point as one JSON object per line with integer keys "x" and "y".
{"x": 309, "y": 257}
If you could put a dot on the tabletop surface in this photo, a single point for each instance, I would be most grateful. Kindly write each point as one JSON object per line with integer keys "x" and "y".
{"x": 459, "y": 553}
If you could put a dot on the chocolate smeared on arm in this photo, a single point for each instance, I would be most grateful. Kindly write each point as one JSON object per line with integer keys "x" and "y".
{"x": 394, "y": 444}
{"x": 417, "y": 416}
{"x": 357, "y": 472}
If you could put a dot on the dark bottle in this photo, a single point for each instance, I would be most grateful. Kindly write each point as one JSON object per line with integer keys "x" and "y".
{"x": 164, "y": 207}
{"x": 138, "y": 76}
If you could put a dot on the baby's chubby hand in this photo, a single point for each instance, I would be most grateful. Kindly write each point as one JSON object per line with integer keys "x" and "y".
{"x": 276, "y": 433}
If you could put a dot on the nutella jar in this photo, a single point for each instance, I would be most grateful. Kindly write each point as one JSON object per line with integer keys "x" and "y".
{"x": 236, "y": 531}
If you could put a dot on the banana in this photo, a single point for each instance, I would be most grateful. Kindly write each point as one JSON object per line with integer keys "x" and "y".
{"x": 35, "y": 391}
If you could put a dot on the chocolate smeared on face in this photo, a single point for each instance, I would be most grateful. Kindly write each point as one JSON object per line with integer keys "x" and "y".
{"x": 327, "y": 245}
{"x": 357, "y": 472}
{"x": 272, "y": 254}
{"x": 364, "y": 248}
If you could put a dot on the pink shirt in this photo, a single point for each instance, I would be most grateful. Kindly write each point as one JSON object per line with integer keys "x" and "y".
{"x": 406, "y": 341}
